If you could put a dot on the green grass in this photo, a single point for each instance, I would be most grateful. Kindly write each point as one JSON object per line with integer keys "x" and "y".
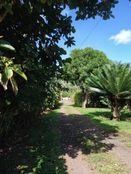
{"x": 102, "y": 160}
{"x": 101, "y": 117}
{"x": 107, "y": 163}
{"x": 129, "y": 144}
{"x": 35, "y": 150}
{"x": 98, "y": 152}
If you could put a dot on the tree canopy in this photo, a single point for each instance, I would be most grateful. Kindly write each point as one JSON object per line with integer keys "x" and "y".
{"x": 81, "y": 64}
{"x": 34, "y": 28}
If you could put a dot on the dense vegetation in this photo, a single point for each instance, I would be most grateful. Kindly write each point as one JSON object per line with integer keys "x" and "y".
{"x": 115, "y": 82}
{"x": 101, "y": 82}
{"x": 34, "y": 29}
{"x": 31, "y": 69}
{"x": 80, "y": 65}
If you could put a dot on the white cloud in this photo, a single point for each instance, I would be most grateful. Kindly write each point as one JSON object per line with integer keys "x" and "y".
{"x": 123, "y": 37}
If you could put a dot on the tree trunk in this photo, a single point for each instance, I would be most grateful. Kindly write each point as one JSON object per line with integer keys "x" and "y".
{"x": 115, "y": 113}
{"x": 115, "y": 109}
{"x": 85, "y": 101}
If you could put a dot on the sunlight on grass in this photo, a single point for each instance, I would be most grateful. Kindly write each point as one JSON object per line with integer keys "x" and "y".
{"x": 68, "y": 109}
{"x": 100, "y": 159}
{"x": 107, "y": 163}
{"x": 101, "y": 117}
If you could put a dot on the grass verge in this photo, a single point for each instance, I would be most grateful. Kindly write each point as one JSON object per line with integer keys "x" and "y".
{"x": 101, "y": 117}
{"x": 101, "y": 160}
{"x": 107, "y": 163}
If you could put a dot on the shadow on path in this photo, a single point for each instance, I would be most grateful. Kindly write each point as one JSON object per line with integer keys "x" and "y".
{"x": 40, "y": 149}
{"x": 78, "y": 133}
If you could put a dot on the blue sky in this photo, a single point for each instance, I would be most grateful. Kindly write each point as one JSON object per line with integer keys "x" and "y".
{"x": 112, "y": 36}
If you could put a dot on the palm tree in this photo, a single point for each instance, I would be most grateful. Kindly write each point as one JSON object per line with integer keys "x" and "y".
{"x": 114, "y": 81}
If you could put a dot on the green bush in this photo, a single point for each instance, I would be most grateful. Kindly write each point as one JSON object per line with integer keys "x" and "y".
{"x": 97, "y": 101}
{"x": 29, "y": 103}
{"x": 26, "y": 107}
{"x": 78, "y": 99}
{"x": 33, "y": 99}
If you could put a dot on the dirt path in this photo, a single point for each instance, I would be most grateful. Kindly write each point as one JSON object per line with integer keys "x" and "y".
{"x": 71, "y": 144}
{"x": 78, "y": 165}
{"x": 123, "y": 152}
{"x": 75, "y": 130}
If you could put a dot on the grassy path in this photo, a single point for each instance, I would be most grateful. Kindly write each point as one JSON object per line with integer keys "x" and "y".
{"x": 100, "y": 142}
{"x": 69, "y": 141}
{"x": 120, "y": 137}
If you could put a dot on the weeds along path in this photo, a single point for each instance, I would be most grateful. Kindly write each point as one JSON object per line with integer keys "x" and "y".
{"x": 80, "y": 137}
{"x": 123, "y": 152}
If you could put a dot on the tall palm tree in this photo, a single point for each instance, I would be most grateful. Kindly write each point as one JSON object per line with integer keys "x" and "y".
{"x": 114, "y": 81}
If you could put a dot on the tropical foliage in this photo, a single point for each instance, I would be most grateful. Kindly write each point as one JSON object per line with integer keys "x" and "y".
{"x": 80, "y": 65}
{"x": 33, "y": 30}
{"x": 114, "y": 81}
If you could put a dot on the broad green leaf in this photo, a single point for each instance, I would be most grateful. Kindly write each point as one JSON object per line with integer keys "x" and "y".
{"x": 8, "y": 72}
{"x": 18, "y": 71}
{"x": 4, "y": 45}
